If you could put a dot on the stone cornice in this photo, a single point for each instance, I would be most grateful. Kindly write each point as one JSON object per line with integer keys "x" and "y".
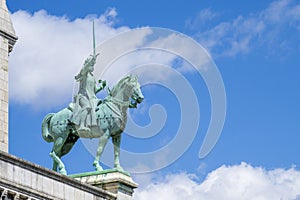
{"x": 54, "y": 175}
{"x": 11, "y": 39}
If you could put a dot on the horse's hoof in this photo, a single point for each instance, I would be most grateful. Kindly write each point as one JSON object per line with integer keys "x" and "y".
{"x": 119, "y": 168}
{"x": 97, "y": 166}
{"x": 63, "y": 172}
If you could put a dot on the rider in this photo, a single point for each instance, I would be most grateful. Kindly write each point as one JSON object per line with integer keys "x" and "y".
{"x": 85, "y": 101}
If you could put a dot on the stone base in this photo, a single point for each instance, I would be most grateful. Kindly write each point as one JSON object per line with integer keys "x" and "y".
{"x": 112, "y": 180}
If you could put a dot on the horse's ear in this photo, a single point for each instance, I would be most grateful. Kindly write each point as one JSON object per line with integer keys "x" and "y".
{"x": 129, "y": 77}
{"x": 134, "y": 78}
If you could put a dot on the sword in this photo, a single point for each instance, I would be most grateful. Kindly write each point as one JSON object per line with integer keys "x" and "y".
{"x": 94, "y": 43}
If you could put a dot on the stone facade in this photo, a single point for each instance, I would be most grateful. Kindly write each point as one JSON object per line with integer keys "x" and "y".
{"x": 7, "y": 41}
{"x": 20, "y": 179}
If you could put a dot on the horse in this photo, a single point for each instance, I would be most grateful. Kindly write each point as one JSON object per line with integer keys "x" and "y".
{"x": 111, "y": 114}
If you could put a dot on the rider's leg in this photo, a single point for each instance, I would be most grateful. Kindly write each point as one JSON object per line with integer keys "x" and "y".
{"x": 84, "y": 104}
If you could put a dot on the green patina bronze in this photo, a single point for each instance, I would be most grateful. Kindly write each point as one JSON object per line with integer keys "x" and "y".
{"x": 98, "y": 173}
{"x": 89, "y": 117}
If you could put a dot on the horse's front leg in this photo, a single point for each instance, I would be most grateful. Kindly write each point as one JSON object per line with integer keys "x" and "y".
{"x": 117, "y": 141}
{"x": 102, "y": 143}
{"x": 54, "y": 167}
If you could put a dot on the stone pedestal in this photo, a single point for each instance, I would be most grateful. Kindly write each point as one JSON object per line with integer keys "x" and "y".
{"x": 112, "y": 180}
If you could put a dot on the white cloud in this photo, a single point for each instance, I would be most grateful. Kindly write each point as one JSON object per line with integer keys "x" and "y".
{"x": 138, "y": 59}
{"x": 227, "y": 183}
{"x": 202, "y": 18}
{"x": 278, "y": 11}
{"x": 162, "y": 47}
{"x": 244, "y": 33}
{"x": 49, "y": 53}
{"x": 51, "y": 49}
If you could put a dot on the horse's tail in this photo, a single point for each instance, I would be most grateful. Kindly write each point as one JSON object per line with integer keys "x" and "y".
{"x": 45, "y": 128}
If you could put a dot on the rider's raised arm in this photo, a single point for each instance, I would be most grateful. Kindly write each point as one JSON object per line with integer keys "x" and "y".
{"x": 100, "y": 86}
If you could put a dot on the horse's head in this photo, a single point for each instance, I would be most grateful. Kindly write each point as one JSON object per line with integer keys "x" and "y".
{"x": 134, "y": 86}
{"x": 129, "y": 89}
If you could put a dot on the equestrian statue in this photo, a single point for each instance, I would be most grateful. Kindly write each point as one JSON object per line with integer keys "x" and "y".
{"x": 89, "y": 117}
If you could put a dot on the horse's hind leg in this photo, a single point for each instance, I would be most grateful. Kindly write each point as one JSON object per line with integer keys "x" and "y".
{"x": 117, "y": 141}
{"x": 54, "y": 168}
{"x": 102, "y": 142}
{"x": 56, "y": 154}
{"x": 61, "y": 165}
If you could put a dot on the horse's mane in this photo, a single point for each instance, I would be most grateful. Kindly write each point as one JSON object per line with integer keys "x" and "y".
{"x": 119, "y": 85}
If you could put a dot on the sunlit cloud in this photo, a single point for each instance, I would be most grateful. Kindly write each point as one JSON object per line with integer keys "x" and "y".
{"x": 247, "y": 32}
{"x": 49, "y": 53}
{"x": 227, "y": 182}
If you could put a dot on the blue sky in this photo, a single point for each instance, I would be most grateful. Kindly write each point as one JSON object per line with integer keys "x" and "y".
{"x": 255, "y": 47}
